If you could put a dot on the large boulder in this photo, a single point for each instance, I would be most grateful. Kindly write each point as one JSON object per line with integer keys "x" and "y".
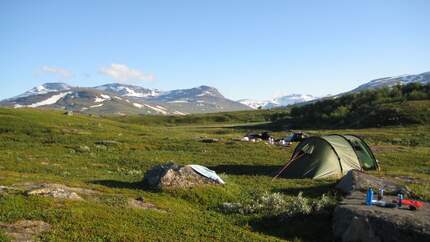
{"x": 355, "y": 222}
{"x": 171, "y": 175}
{"x": 356, "y": 180}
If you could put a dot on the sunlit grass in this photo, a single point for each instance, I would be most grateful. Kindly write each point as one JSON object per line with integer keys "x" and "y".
{"x": 47, "y": 146}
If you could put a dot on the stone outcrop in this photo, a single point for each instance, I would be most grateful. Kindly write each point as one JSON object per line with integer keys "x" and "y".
{"x": 25, "y": 230}
{"x": 59, "y": 191}
{"x": 171, "y": 175}
{"x": 140, "y": 203}
{"x": 353, "y": 221}
{"x": 356, "y": 180}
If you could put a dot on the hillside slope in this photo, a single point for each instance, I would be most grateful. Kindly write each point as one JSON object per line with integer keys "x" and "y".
{"x": 398, "y": 105}
{"x": 422, "y": 78}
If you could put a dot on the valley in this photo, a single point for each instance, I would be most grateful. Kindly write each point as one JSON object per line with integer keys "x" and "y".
{"x": 42, "y": 146}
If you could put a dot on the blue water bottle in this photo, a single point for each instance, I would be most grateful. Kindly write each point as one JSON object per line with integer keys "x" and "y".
{"x": 400, "y": 200}
{"x": 369, "y": 197}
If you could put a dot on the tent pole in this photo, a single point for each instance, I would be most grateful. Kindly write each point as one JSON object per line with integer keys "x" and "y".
{"x": 286, "y": 165}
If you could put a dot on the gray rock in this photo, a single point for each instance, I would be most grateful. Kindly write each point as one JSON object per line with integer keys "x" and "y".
{"x": 59, "y": 191}
{"x": 83, "y": 149}
{"x": 56, "y": 192}
{"x": 171, "y": 175}
{"x": 356, "y": 180}
{"x": 25, "y": 230}
{"x": 101, "y": 147}
{"x": 139, "y": 203}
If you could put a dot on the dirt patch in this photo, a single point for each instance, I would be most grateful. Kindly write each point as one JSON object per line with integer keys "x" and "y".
{"x": 25, "y": 230}
{"x": 140, "y": 203}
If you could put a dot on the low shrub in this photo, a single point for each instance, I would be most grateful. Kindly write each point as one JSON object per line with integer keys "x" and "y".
{"x": 276, "y": 203}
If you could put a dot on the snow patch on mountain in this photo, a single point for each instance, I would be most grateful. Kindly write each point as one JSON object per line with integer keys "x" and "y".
{"x": 102, "y": 98}
{"x": 132, "y": 93}
{"x": 179, "y": 113}
{"x": 157, "y": 109}
{"x": 256, "y": 104}
{"x": 206, "y": 93}
{"x": 422, "y": 78}
{"x": 278, "y": 101}
{"x": 129, "y": 90}
{"x": 286, "y": 100}
{"x": 49, "y": 101}
{"x": 105, "y": 96}
{"x": 137, "y": 105}
{"x": 97, "y": 105}
{"x": 179, "y": 101}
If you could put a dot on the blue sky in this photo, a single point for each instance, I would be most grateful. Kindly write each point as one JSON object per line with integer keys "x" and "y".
{"x": 247, "y": 49}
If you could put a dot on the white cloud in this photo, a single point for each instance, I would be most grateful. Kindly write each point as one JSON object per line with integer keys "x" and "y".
{"x": 62, "y": 73}
{"x": 123, "y": 73}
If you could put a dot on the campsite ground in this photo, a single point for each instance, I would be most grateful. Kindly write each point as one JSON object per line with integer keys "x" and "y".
{"x": 49, "y": 147}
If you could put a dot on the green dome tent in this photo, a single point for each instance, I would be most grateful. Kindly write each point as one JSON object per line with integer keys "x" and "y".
{"x": 329, "y": 156}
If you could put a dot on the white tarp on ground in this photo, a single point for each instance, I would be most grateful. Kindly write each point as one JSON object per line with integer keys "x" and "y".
{"x": 204, "y": 171}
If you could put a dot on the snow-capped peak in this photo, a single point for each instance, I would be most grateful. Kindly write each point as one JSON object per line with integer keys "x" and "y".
{"x": 129, "y": 90}
{"x": 256, "y": 104}
{"x": 278, "y": 101}
{"x": 284, "y": 100}
{"x": 46, "y": 88}
{"x": 395, "y": 80}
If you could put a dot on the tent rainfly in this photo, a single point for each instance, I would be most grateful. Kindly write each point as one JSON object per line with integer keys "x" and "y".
{"x": 329, "y": 156}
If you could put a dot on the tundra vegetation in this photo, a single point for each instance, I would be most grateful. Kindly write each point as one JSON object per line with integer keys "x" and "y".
{"x": 109, "y": 155}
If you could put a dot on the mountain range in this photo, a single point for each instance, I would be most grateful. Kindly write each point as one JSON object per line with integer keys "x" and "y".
{"x": 122, "y": 99}
{"x": 286, "y": 100}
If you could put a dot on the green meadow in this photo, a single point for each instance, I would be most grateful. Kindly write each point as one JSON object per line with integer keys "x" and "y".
{"x": 110, "y": 155}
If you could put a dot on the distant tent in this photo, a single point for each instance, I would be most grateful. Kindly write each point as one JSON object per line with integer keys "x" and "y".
{"x": 329, "y": 156}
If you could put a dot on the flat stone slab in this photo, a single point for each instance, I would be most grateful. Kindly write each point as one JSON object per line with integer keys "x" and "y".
{"x": 59, "y": 191}
{"x": 356, "y": 180}
{"x": 139, "y": 203}
{"x": 25, "y": 230}
{"x": 354, "y": 221}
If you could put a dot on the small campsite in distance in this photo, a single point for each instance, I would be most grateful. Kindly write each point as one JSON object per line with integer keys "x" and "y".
{"x": 82, "y": 176}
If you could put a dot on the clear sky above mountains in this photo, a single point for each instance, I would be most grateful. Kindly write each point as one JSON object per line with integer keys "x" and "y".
{"x": 247, "y": 49}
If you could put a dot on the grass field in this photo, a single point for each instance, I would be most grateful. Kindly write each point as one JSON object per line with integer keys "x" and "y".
{"x": 47, "y": 146}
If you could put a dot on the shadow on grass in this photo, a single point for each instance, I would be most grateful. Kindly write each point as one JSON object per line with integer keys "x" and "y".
{"x": 313, "y": 227}
{"x": 249, "y": 170}
{"x": 120, "y": 184}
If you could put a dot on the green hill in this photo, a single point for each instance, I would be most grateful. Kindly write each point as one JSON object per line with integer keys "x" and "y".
{"x": 399, "y": 105}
